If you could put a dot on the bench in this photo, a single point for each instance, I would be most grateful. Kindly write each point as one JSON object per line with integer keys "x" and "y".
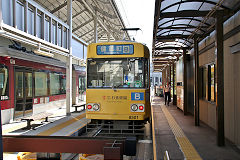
{"x": 35, "y": 117}
{"x": 78, "y": 106}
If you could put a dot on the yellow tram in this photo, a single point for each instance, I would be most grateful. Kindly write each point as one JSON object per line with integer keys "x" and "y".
{"x": 118, "y": 81}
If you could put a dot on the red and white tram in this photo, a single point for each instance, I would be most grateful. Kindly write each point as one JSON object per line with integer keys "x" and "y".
{"x": 33, "y": 84}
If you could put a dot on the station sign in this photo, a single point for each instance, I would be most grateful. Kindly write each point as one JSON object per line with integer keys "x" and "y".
{"x": 119, "y": 49}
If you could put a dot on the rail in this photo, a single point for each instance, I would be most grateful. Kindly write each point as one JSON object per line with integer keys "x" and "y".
{"x": 166, "y": 156}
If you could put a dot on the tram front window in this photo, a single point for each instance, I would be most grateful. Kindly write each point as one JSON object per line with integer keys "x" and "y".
{"x": 116, "y": 73}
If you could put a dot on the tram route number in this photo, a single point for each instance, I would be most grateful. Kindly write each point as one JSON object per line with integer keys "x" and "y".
{"x": 133, "y": 117}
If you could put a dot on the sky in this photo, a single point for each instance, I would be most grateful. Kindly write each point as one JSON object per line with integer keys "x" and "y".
{"x": 138, "y": 14}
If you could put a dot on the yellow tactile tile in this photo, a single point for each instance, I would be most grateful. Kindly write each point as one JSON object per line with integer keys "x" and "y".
{"x": 187, "y": 148}
{"x": 61, "y": 126}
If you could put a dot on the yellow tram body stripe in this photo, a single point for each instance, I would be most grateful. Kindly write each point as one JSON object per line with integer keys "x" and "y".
{"x": 186, "y": 146}
{"x": 61, "y": 126}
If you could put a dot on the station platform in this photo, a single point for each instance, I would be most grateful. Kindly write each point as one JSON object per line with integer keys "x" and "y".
{"x": 58, "y": 125}
{"x": 175, "y": 133}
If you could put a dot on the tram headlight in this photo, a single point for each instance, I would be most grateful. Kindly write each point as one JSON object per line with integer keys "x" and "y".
{"x": 96, "y": 107}
{"x": 89, "y": 107}
{"x": 137, "y": 108}
{"x": 134, "y": 107}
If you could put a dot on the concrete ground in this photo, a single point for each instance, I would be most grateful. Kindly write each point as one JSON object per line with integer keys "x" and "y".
{"x": 202, "y": 138}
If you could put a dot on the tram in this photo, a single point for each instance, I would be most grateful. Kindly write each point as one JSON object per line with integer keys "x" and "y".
{"x": 118, "y": 81}
{"x": 34, "y": 84}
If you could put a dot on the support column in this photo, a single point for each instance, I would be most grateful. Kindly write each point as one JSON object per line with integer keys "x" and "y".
{"x": 95, "y": 27}
{"x": 196, "y": 73}
{"x": 220, "y": 79}
{"x": 185, "y": 100}
{"x": 69, "y": 60}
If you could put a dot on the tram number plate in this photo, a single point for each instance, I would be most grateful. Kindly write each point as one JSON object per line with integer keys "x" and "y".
{"x": 133, "y": 117}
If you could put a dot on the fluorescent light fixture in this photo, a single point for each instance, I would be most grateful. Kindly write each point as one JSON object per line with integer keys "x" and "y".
{"x": 44, "y": 53}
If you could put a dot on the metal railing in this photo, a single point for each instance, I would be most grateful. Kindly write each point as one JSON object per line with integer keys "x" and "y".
{"x": 39, "y": 25}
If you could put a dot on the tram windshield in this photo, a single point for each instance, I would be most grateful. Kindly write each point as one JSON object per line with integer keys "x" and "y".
{"x": 117, "y": 73}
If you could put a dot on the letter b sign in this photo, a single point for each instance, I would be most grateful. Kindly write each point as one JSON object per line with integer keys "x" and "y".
{"x": 137, "y": 96}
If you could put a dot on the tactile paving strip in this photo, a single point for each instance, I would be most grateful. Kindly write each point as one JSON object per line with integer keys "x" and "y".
{"x": 186, "y": 146}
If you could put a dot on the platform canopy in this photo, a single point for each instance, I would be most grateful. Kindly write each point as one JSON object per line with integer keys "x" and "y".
{"x": 83, "y": 11}
{"x": 177, "y": 22}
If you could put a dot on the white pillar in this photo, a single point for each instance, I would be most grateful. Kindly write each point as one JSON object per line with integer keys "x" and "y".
{"x": 69, "y": 60}
{"x": 95, "y": 27}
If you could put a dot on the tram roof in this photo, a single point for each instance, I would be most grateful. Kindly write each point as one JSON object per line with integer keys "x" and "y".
{"x": 177, "y": 22}
{"x": 108, "y": 17}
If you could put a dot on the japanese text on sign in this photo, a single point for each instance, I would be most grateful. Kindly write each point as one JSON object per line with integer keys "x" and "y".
{"x": 115, "y": 49}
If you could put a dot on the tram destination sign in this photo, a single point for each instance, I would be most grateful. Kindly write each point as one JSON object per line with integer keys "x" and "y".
{"x": 119, "y": 49}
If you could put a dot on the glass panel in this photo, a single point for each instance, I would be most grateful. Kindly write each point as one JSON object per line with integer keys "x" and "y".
{"x": 39, "y": 26}
{"x": 82, "y": 88}
{"x": 59, "y": 36}
{"x": 19, "y": 16}
{"x": 64, "y": 39}
{"x": 204, "y": 84}
{"x": 77, "y": 48}
{"x": 40, "y": 84}
{"x": 19, "y": 85}
{"x": 4, "y": 83}
{"x": 85, "y": 52}
{"x": 7, "y": 12}
{"x": 54, "y": 84}
{"x": 156, "y": 81}
{"x": 46, "y": 30}
{"x": 117, "y": 73}
{"x": 53, "y": 34}
{"x": 28, "y": 87}
{"x": 190, "y": 6}
{"x": 30, "y": 22}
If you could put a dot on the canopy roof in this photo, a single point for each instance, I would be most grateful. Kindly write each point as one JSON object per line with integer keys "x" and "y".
{"x": 108, "y": 18}
{"x": 176, "y": 22}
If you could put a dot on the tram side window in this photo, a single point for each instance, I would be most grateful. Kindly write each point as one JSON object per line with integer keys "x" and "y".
{"x": 63, "y": 84}
{"x": 54, "y": 84}
{"x": 40, "y": 84}
{"x": 4, "y": 83}
{"x": 146, "y": 74}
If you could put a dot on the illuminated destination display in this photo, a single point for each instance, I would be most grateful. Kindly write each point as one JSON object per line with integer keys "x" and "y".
{"x": 115, "y": 49}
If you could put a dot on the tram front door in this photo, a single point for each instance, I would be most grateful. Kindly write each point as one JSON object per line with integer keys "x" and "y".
{"x": 23, "y": 92}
